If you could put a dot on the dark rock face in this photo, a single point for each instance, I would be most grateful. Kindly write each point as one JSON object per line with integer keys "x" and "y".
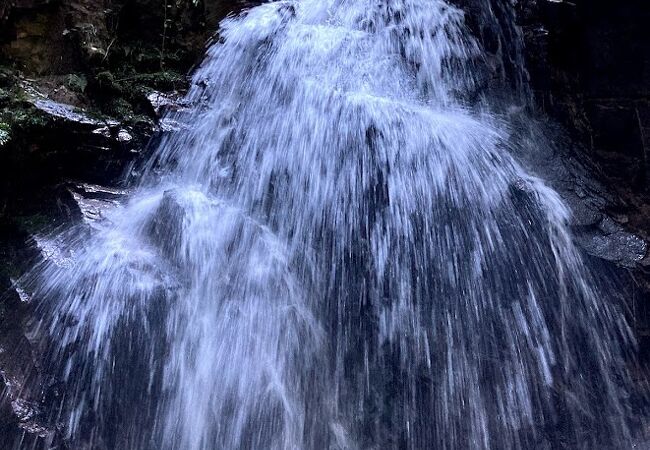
{"x": 60, "y": 36}
{"x": 589, "y": 68}
{"x": 589, "y": 64}
{"x": 83, "y": 84}
{"x": 553, "y": 51}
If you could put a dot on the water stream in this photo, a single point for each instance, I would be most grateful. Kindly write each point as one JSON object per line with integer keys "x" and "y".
{"x": 336, "y": 249}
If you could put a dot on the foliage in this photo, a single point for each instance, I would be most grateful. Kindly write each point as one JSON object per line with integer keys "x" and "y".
{"x": 76, "y": 83}
{"x": 27, "y": 117}
{"x": 119, "y": 107}
{"x": 18, "y": 115}
{"x": 5, "y": 133}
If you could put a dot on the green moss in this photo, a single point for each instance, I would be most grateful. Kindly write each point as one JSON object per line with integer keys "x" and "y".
{"x": 136, "y": 83}
{"x": 131, "y": 83}
{"x": 106, "y": 82}
{"x": 144, "y": 57}
{"x": 165, "y": 80}
{"x": 119, "y": 107}
{"x": 18, "y": 115}
{"x": 28, "y": 117}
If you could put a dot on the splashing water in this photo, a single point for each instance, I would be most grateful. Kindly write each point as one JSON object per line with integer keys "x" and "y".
{"x": 335, "y": 251}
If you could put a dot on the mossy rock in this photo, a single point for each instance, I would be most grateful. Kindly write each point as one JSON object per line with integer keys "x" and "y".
{"x": 130, "y": 82}
{"x": 28, "y": 117}
{"x": 125, "y": 93}
{"x": 120, "y": 107}
{"x": 76, "y": 83}
{"x": 140, "y": 121}
{"x": 160, "y": 80}
{"x": 17, "y": 112}
{"x": 106, "y": 81}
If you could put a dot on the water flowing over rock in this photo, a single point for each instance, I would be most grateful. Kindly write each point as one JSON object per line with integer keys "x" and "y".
{"x": 336, "y": 248}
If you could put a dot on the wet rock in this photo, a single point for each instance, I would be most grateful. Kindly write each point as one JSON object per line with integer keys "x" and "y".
{"x": 24, "y": 427}
{"x": 123, "y": 136}
{"x": 51, "y": 141}
{"x": 616, "y": 246}
{"x": 116, "y": 134}
{"x": 70, "y": 114}
{"x": 590, "y": 68}
{"x": 166, "y": 226}
{"x": 163, "y": 102}
{"x": 20, "y": 406}
{"x": 104, "y": 132}
{"x": 93, "y": 201}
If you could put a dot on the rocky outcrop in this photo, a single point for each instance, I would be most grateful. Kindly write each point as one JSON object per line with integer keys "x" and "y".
{"x": 589, "y": 66}
{"x": 60, "y": 36}
{"x": 83, "y": 84}
{"x": 589, "y": 69}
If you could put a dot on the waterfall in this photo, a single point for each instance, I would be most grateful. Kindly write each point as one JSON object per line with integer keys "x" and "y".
{"x": 336, "y": 249}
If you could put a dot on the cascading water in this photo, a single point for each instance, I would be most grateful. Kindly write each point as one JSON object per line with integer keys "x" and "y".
{"x": 335, "y": 250}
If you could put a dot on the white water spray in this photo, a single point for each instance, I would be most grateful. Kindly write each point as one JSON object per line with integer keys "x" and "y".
{"x": 335, "y": 251}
